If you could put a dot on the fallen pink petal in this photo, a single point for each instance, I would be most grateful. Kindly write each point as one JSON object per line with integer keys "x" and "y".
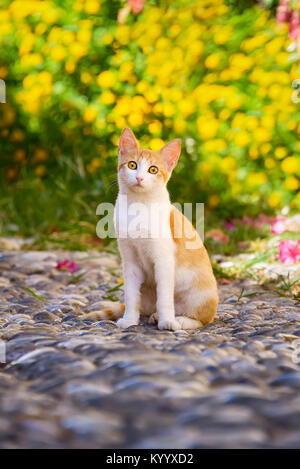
{"x": 71, "y": 266}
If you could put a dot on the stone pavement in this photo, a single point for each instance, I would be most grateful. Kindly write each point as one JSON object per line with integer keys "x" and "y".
{"x": 69, "y": 382}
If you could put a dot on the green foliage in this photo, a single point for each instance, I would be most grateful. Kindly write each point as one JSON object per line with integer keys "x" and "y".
{"x": 196, "y": 70}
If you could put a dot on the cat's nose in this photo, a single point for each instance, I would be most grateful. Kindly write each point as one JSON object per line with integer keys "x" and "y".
{"x": 139, "y": 180}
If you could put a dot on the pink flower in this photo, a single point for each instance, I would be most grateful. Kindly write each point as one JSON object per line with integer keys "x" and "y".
{"x": 294, "y": 26}
{"x": 136, "y": 5}
{"x": 289, "y": 251}
{"x": 229, "y": 225}
{"x": 217, "y": 235}
{"x": 283, "y": 12}
{"x": 67, "y": 265}
{"x": 278, "y": 226}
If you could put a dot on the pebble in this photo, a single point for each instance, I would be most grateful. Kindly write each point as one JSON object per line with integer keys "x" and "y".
{"x": 70, "y": 382}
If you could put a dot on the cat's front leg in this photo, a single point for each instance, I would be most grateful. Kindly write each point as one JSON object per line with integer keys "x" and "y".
{"x": 164, "y": 277}
{"x": 132, "y": 282}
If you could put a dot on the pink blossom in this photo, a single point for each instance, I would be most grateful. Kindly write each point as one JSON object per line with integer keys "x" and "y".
{"x": 136, "y": 5}
{"x": 67, "y": 265}
{"x": 283, "y": 12}
{"x": 247, "y": 220}
{"x": 217, "y": 235}
{"x": 278, "y": 226}
{"x": 289, "y": 251}
{"x": 229, "y": 226}
{"x": 264, "y": 219}
{"x": 294, "y": 26}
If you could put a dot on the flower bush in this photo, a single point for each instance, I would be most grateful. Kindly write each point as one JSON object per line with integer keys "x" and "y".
{"x": 221, "y": 82}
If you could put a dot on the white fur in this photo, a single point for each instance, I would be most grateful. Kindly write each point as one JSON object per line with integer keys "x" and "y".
{"x": 148, "y": 259}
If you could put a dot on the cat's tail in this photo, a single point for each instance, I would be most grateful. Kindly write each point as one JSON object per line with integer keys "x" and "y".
{"x": 107, "y": 310}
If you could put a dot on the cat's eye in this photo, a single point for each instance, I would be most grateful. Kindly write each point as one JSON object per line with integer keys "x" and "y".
{"x": 153, "y": 169}
{"x": 132, "y": 165}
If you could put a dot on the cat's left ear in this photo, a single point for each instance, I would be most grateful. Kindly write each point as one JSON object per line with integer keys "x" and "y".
{"x": 170, "y": 153}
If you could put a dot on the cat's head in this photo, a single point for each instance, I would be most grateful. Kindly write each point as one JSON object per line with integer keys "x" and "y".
{"x": 145, "y": 170}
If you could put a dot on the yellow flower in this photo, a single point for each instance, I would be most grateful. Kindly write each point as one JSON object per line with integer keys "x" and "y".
{"x": 262, "y": 135}
{"x": 280, "y": 152}
{"x": 17, "y": 135}
{"x": 291, "y": 183}
{"x": 223, "y": 34}
{"x": 96, "y": 162}
{"x": 3, "y": 72}
{"x": 78, "y": 50}
{"x": 155, "y": 127}
{"x": 45, "y": 77}
{"x": 224, "y": 114}
{"x": 86, "y": 78}
{"x": 186, "y": 106}
{"x": 253, "y": 152}
{"x": 212, "y": 61}
{"x": 136, "y": 118}
{"x": 20, "y": 155}
{"x": 68, "y": 37}
{"x": 274, "y": 46}
{"x": 228, "y": 164}
{"x": 207, "y": 128}
{"x": 90, "y": 114}
{"x": 256, "y": 179}
{"x": 31, "y": 60}
{"x": 291, "y": 124}
{"x": 242, "y": 139}
{"x": 156, "y": 144}
{"x": 168, "y": 109}
{"x": 106, "y": 79}
{"x": 107, "y": 39}
{"x": 265, "y": 148}
{"x": 70, "y": 67}
{"x": 123, "y": 34}
{"x": 270, "y": 163}
{"x": 92, "y": 7}
{"x": 151, "y": 95}
{"x": 84, "y": 35}
{"x": 40, "y": 171}
{"x": 274, "y": 199}
{"x": 290, "y": 165}
{"x": 179, "y": 125}
{"x": 27, "y": 44}
{"x": 40, "y": 154}
{"x": 107, "y": 97}
{"x": 58, "y": 53}
{"x": 213, "y": 200}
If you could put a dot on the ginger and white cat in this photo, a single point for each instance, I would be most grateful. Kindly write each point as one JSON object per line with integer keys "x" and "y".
{"x": 164, "y": 278}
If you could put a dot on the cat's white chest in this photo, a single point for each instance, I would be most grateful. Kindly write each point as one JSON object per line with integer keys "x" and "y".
{"x": 142, "y": 221}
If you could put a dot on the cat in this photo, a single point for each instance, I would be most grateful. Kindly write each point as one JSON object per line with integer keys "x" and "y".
{"x": 164, "y": 278}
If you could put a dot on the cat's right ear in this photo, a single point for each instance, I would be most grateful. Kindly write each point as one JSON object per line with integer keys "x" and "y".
{"x": 127, "y": 143}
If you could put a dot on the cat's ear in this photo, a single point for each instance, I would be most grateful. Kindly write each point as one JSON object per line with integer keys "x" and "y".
{"x": 170, "y": 153}
{"x": 127, "y": 142}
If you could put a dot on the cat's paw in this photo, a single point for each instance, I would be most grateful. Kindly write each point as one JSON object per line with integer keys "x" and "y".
{"x": 153, "y": 319}
{"x": 124, "y": 323}
{"x": 188, "y": 323}
{"x": 169, "y": 324}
